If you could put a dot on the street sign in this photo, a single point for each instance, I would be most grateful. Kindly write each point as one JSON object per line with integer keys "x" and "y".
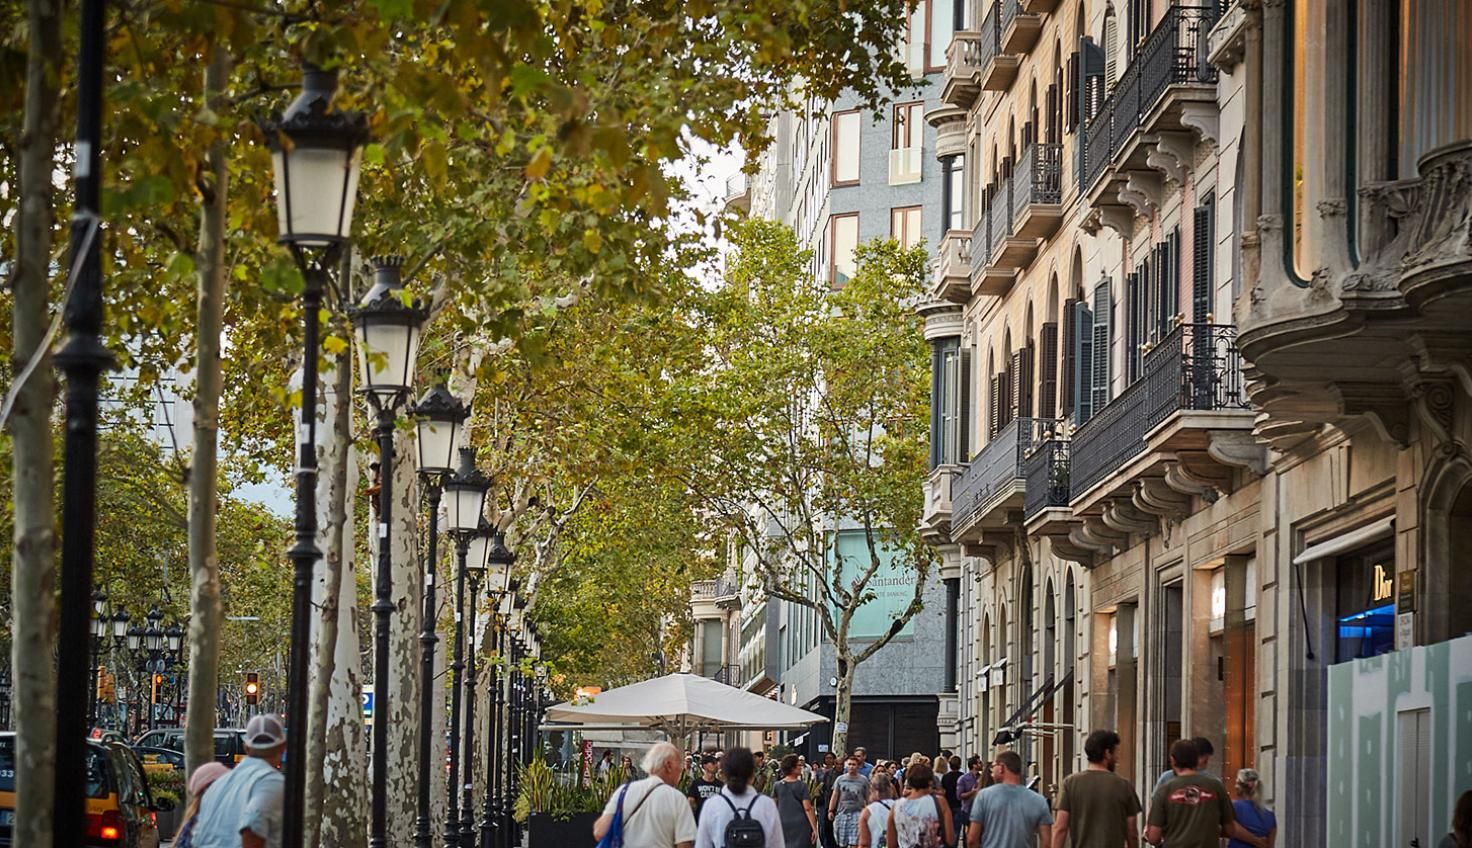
{"x": 368, "y": 702}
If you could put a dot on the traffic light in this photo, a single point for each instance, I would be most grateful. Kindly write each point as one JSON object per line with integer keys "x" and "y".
{"x": 252, "y": 688}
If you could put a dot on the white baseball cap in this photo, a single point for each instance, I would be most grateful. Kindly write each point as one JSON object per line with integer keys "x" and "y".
{"x": 264, "y": 731}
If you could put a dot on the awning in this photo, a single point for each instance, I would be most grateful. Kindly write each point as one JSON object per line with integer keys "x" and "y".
{"x": 680, "y": 704}
{"x": 1371, "y": 532}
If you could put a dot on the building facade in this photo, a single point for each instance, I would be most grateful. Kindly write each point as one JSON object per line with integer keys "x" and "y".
{"x": 1199, "y": 415}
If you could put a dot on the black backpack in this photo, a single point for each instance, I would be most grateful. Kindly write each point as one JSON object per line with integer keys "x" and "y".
{"x": 743, "y": 831}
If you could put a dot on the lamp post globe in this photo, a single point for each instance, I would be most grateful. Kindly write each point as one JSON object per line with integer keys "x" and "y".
{"x": 175, "y": 636}
{"x": 120, "y": 625}
{"x": 135, "y": 638}
{"x": 438, "y": 419}
{"x": 465, "y": 495}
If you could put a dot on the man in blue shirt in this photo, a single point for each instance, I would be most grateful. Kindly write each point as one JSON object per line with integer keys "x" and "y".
{"x": 1008, "y": 814}
{"x": 243, "y": 808}
{"x": 866, "y": 768}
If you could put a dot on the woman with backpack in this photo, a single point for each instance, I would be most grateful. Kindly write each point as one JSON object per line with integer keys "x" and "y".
{"x": 739, "y": 816}
{"x": 874, "y": 820}
{"x": 795, "y": 805}
{"x": 920, "y": 819}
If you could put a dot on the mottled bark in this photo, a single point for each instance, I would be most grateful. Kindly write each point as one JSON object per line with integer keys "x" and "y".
{"x": 204, "y": 566}
{"x": 344, "y": 818}
{"x": 404, "y": 647}
{"x": 33, "y": 559}
{"x": 334, "y": 422}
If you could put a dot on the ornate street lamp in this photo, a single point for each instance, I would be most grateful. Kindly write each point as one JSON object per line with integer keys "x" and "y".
{"x": 506, "y": 768}
{"x": 499, "y": 560}
{"x": 100, "y": 628}
{"x": 438, "y": 417}
{"x": 119, "y": 626}
{"x": 315, "y": 154}
{"x": 465, "y": 498}
{"x": 477, "y": 554}
{"x": 387, "y": 328}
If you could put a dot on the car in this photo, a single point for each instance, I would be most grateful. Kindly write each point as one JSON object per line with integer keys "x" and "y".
{"x": 229, "y": 742}
{"x": 159, "y": 759}
{"x": 120, "y": 809}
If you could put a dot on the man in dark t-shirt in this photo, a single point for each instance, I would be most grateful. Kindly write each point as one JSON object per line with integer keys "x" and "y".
{"x": 948, "y": 783}
{"x": 705, "y": 786}
{"x": 1096, "y": 807}
{"x": 1193, "y": 810}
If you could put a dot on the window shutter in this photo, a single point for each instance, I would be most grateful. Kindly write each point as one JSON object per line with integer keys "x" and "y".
{"x": 963, "y": 451}
{"x": 1083, "y": 371}
{"x": 1004, "y": 399}
{"x": 1102, "y": 375}
{"x": 1022, "y": 383}
{"x": 1053, "y": 128}
{"x": 1048, "y": 368}
{"x": 1134, "y": 323}
{"x": 1173, "y": 285}
{"x": 1070, "y": 355}
{"x": 1111, "y": 49}
{"x": 937, "y": 405}
{"x": 994, "y": 416}
{"x": 1071, "y": 94}
{"x": 1201, "y": 261}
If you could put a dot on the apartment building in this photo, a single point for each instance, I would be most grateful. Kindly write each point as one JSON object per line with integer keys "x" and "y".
{"x": 1198, "y": 418}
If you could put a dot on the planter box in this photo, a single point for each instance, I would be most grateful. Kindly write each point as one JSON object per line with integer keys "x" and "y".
{"x": 543, "y": 831}
{"x": 168, "y": 822}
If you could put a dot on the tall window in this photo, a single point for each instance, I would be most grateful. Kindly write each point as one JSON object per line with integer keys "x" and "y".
{"x": 942, "y": 23}
{"x": 904, "y": 226}
{"x": 916, "y": 43}
{"x": 845, "y": 146}
{"x": 953, "y": 192}
{"x": 905, "y": 139}
{"x": 843, "y": 239}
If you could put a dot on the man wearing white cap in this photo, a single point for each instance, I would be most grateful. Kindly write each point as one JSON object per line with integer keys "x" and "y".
{"x": 243, "y": 808}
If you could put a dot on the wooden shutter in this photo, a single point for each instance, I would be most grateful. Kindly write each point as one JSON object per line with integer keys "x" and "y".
{"x": 1103, "y": 324}
{"x": 963, "y": 448}
{"x": 1070, "y": 355}
{"x": 1071, "y": 95}
{"x": 1052, "y": 135}
{"x": 1134, "y": 317}
{"x": 1004, "y": 399}
{"x": 1021, "y": 374}
{"x": 1048, "y": 369}
{"x": 1202, "y": 255}
{"x": 1111, "y": 49}
{"x": 1083, "y": 343}
{"x": 994, "y": 406}
{"x": 1173, "y": 276}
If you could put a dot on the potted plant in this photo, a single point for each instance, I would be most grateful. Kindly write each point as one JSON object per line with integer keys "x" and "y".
{"x": 166, "y": 786}
{"x": 558, "y": 807}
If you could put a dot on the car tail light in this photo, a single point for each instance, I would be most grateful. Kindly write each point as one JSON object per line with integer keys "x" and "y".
{"x": 107, "y": 827}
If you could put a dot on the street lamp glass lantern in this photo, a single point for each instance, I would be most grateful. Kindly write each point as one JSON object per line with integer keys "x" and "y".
{"x": 99, "y": 603}
{"x": 120, "y": 624}
{"x": 135, "y": 637}
{"x": 499, "y": 560}
{"x": 175, "y": 635}
{"x": 438, "y": 418}
{"x": 478, "y": 550}
{"x": 465, "y": 495}
{"x": 316, "y": 153}
{"x": 387, "y": 327}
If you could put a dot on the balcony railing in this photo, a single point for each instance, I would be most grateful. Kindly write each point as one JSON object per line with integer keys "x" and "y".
{"x": 728, "y": 674}
{"x": 981, "y": 241}
{"x": 1173, "y": 54}
{"x": 1010, "y": 10}
{"x": 990, "y": 41}
{"x": 963, "y": 65}
{"x": 708, "y": 590}
{"x": 1196, "y": 367}
{"x": 1000, "y": 463}
{"x": 1001, "y": 218}
{"x": 1037, "y": 178}
{"x": 1046, "y": 472}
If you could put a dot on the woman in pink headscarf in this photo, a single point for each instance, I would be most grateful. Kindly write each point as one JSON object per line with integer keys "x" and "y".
{"x": 198, "y": 783}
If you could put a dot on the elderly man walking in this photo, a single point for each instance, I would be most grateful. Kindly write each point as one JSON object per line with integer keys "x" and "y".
{"x": 243, "y": 808}
{"x": 655, "y": 812}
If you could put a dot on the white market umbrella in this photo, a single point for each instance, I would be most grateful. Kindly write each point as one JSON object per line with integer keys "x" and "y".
{"x": 680, "y": 704}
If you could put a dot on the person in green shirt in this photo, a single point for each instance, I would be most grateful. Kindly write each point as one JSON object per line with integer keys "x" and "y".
{"x": 1096, "y": 806}
{"x": 1193, "y": 810}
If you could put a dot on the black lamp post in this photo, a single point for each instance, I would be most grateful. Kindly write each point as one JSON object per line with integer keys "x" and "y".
{"x": 387, "y": 328}
{"x": 315, "y": 153}
{"x": 438, "y": 417}
{"x": 101, "y": 624}
{"x": 81, "y": 359}
{"x": 465, "y": 498}
{"x": 499, "y": 560}
{"x": 153, "y": 643}
{"x": 501, "y": 810}
{"x": 475, "y": 569}
{"x": 513, "y": 719}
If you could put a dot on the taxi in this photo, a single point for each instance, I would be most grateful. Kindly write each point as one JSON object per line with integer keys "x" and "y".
{"x": 120, "y": 810}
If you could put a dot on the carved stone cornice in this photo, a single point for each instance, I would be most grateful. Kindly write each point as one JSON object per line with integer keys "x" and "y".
{"x": 1385, "y": 406}
{"x": 1238, "y": 449}
{"x": 1142, "y": 190}
{"x": 1440, "y": 257}
{"x": 1122, "y": 515}
{"x": 1081, "y": 539}
{"x": 1066, "y": 548}
{"x": 1154, "y": 496}
{"x": 1435, "y": 403}
{"x": 1100, "y": 535}
{"x": 1204, "y": 118}
{"x": 1183, "y": 480}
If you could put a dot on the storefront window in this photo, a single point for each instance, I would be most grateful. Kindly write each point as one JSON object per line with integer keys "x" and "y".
{"x": 1365, "y": 611}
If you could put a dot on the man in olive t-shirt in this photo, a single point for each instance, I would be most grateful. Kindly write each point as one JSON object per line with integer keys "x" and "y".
{"x": 1193, "y": 810}
{"x": 1097, "y": 807}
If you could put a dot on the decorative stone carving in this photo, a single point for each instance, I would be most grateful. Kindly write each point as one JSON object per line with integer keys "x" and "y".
{"x": 1204, "y": 118}
{"x": 1142, "y": 190}
{"x": 1227, "y": 42}
{"x": 1436, "y": 404}
{"x": 1443, "y": 239}
{"x": 1154, "y": 496}
{"x": 1121, "y": 515}
{"x": 1183, "y": 480}
{"x": 1101, "y": 535}
{"x": 1082, "y": 540}
{"x": 1066, "y": 548}
{"x": 1384, "y": 406}
{"x": 1239, "y": 449}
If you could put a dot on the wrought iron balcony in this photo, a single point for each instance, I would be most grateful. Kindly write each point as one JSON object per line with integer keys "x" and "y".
{"x": 1196, "y": 368}
{"x": 998, "y": 69}
{"x": 729, "y": 674}
{"x": 1046, "y": 473}
{"x": 995, "y": 478}
{"x": 952, "y": 280}
{"x": 1169, "y": 87}
{"x": 1037, "y": 191}
{"x": 1020, "y": 27}
{"x": 963, "y": 69}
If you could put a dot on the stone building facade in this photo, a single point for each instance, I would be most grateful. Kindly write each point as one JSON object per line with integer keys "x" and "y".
{"x": 1199, "y": 411}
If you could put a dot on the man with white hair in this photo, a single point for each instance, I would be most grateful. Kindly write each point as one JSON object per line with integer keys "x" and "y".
{"x": 654, "y": 811}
